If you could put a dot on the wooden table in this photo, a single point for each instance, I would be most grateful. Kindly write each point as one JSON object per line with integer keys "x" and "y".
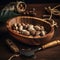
{"x": 48, "y": 54}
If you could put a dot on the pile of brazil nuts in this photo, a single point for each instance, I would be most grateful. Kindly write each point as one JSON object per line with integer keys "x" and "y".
{"x": 29, "y": 29}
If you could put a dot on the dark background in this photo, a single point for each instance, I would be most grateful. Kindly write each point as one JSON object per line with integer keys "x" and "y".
{"x": 3, "y": 2}
{"x": 48, "y": 54}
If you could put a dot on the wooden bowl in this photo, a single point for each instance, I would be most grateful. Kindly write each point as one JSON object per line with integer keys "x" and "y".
{"x": 35, "y": 21}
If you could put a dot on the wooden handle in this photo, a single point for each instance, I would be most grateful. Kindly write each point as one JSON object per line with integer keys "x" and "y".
{"x": 54, "y": 43}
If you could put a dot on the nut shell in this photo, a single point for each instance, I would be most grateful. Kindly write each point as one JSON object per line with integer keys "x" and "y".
{"x": 25, "y": 32}
{"x": 37, "y": 27}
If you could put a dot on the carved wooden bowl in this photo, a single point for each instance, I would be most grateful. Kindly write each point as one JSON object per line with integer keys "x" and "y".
{"x": 35, "y": 21}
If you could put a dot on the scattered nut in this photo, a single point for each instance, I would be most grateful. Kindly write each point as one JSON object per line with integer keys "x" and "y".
{"x": 42, "y": 28}
{"x": 18, "y": 24}
{"x": 29, "y": 29}
{"x": 30, "y": 26}
{"x": 33, "y": 32}
{"x": 43, "y": 33}
{"x": 37, "y": 27}
{"x": 25, "y": 32}
{"x": 14, "y": 26}
{"x": 20, "y": 28}
{"x": 38, "y": 33}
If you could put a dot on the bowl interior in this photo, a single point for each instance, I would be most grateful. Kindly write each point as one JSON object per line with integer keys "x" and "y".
{"x": 29, "y": 20}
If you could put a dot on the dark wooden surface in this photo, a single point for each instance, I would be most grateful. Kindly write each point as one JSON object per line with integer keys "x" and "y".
{"x": 48, "y": 54}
